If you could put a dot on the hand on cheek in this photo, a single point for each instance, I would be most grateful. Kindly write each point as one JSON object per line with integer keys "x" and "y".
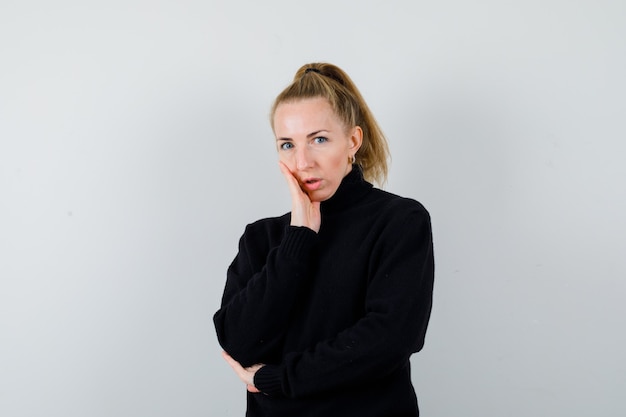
{"x": 304, "y": 212}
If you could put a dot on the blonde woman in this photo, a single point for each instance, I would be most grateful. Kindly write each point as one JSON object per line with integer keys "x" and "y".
{"x": 323, "y": 306}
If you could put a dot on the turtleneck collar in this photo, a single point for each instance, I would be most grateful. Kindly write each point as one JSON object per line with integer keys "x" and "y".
{"x": 352, "y": 188}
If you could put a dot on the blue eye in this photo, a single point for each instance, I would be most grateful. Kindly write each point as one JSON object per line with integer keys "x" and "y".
{"x": 320, "y": 139}
{"x": 286, "y": 145}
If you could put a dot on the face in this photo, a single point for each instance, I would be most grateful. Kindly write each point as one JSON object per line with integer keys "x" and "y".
{"x": 315, "y": 145}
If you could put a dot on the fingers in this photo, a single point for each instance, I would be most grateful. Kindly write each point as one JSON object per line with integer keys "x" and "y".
{"x": 245, "y": 374}
{"x": 239, "y": 370}
{"x": 292, "y": 182}
{"x": 304, "y": 212}
{"x": 233, "y": 363}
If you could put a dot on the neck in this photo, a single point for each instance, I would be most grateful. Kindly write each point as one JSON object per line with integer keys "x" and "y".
{"x": 351, "y": 189}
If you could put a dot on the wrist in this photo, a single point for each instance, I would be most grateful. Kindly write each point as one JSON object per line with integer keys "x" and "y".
{"x": 268, "y": 380}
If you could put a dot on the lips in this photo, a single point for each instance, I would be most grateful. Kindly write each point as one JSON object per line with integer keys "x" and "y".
{"x": 311, "y": 184}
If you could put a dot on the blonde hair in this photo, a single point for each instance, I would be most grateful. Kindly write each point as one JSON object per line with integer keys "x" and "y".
{"x": 333, "y": 84}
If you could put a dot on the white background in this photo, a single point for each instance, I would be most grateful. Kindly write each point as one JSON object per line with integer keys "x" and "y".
{"x": 135, "y": 147}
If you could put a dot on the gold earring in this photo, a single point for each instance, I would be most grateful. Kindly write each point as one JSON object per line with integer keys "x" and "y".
{"x": 352, "y": 159}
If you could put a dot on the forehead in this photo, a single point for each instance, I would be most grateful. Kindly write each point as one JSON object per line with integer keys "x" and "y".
{"x": 305, "y": 116}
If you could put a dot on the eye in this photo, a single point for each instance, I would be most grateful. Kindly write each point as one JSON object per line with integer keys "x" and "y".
{"x": 286, "y": 146}
{"x": 320, "y": 139}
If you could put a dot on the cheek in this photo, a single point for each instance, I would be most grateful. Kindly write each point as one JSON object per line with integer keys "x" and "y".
{"x": 339, "y": 162}
{"x": 286, "y": 159}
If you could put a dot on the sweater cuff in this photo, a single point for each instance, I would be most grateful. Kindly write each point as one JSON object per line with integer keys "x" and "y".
{"x": 268, "y": 381}
{"x": 298, "y": 242}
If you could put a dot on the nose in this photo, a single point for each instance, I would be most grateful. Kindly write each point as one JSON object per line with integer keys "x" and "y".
{"x": 303, "y": 159}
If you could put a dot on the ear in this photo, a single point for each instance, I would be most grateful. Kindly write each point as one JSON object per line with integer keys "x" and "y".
{"x": 356, "y": 139}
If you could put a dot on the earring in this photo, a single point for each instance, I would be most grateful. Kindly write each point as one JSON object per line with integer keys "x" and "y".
{"x": 352, "y": 159}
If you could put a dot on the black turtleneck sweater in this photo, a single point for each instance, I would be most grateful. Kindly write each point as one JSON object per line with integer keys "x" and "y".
{"x": 334, "y": 315}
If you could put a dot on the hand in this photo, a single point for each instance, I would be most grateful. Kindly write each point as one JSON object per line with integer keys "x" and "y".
{"x": 304, "y": 212}
{"x": 245, "y": 374}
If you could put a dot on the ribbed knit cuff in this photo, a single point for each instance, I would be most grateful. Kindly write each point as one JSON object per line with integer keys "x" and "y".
{"x": 298, "y": 242}
{"x": 268, "y": 381}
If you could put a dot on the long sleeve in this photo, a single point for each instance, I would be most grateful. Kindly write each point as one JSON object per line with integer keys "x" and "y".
{"x": 397, "y": 304}
{"x": 269, "y": 271}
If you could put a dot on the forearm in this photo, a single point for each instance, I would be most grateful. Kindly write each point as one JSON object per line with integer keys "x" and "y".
{"x": 256, "y": 306}
{"x": 371, "y": 350}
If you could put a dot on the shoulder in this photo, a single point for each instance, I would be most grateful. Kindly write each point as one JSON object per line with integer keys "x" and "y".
{"x": 260, "y": 236}
{"x": 268, "y": 226}
{"x": 400, "y": 223}
{"x": 397, "y": 206}
{"x": 266, "y": 231}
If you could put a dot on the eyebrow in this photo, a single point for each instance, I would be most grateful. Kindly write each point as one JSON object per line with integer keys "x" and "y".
{"x": 310, "y": 135}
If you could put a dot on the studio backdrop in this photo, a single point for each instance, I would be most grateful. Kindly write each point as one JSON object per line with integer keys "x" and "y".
{"x": 135, "y": 146}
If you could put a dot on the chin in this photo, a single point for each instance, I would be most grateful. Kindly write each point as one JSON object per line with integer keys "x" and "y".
{"x": 316, "y": 196}
{"x": 320, "y": 196}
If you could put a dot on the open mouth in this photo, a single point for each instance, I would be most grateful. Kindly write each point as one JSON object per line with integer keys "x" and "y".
{"x": 312, "y": 184}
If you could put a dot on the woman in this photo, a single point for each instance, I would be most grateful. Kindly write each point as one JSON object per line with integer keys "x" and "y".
{"x": 323, "y": 306}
